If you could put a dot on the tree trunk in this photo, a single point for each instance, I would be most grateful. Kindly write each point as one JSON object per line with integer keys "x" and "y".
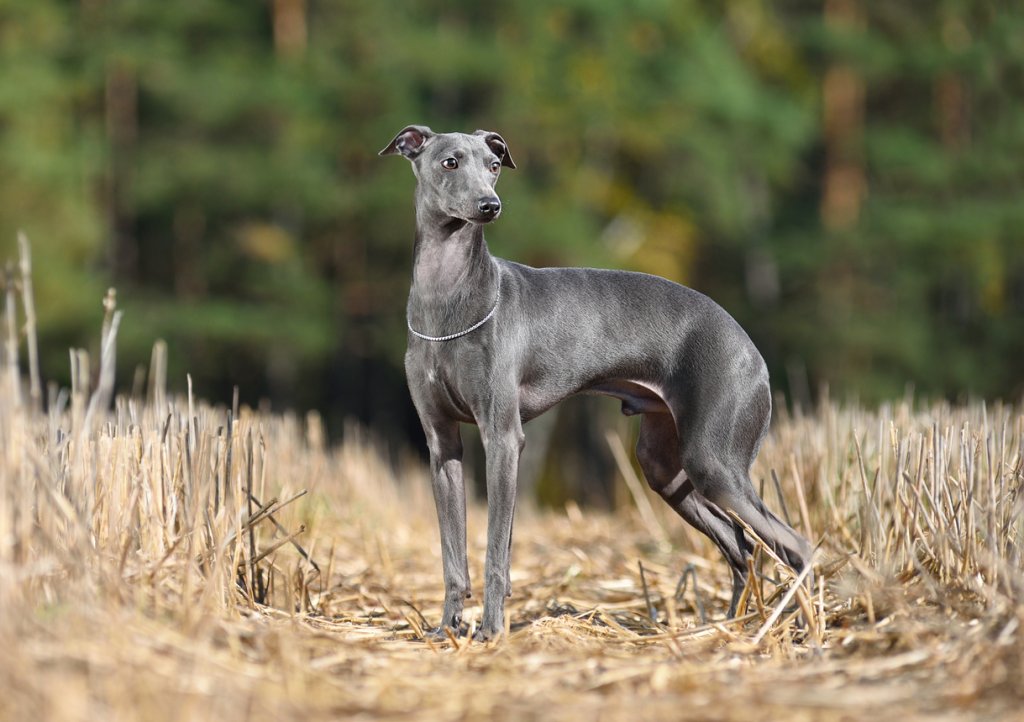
{"x": 845, "y": 183}
{"x": 290, "y": 29}
{"x": 121, "y": 106}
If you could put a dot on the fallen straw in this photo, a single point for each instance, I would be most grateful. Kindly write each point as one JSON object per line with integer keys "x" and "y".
{"x": 651, "y": 612}
{"x": 781, "y": 606}
{"x": 636, "y": 490}
{"x": 274, "y": 547}
{"x": 690, "y": 572}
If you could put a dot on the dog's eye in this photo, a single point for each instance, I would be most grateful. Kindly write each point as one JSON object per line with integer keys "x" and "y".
{"x": 495, "y": 166}
{"x": 449, "y": 164}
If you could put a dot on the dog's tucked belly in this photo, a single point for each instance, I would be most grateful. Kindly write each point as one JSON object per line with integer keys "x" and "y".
{"x": 636, "y": 398}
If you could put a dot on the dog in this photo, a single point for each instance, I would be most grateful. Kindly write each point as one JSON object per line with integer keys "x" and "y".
{"x": 496, "y": 343}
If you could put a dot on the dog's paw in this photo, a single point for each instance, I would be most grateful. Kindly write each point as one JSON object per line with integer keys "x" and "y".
{"x": 483, "y": 634}
{"x": 437, "y": 634}
{"x": 444, "y": 633}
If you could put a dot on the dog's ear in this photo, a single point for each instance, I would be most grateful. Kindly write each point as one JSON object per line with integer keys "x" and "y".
{"x": 409, "y": 142}
{"x": 498, "y": 146}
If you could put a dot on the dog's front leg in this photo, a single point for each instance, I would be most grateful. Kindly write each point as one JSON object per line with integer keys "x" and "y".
{"x": 445, "y": 445}
{"x": 503, "y": 448}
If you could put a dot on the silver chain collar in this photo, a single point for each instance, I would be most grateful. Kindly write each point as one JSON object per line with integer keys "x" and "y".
{"x": 471, "y": 329}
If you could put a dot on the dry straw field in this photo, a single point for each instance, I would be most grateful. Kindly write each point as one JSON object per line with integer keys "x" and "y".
{"x": 164, "y": 559}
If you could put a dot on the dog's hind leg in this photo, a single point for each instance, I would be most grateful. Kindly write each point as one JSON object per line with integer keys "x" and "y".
{"x": 720, "y": 437}
{"x": 657, "y": 450}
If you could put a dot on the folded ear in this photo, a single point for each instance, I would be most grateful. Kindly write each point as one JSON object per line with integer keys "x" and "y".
{"x": 409, "y": 142}
{"x": 498, "y": 146}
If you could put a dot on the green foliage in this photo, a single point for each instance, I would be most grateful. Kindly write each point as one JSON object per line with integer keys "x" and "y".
{"x": 222, "y": 173}
{"x": 927, "y": 287}
{"x": 49, "y": 158}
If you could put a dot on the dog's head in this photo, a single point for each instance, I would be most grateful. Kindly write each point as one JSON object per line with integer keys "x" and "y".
{"x": 456, "y": 172}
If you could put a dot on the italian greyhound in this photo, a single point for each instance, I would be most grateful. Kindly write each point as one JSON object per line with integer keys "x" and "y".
{"x": 496, "y": 343}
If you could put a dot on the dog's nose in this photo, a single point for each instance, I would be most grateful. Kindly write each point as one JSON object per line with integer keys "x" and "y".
{"x": 489, "y": 206}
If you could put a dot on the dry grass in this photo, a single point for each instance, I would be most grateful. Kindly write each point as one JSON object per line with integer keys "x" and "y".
{"x": 136, "y": 582}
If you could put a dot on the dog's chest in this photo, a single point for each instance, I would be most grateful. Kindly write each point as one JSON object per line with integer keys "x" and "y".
{"x": 447, "y": 377}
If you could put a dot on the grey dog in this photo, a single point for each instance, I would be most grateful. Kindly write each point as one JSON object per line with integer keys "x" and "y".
{"x": 497, "y": 343}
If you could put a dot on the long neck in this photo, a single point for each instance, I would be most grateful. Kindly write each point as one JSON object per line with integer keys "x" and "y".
{"x": 454, "y": 280}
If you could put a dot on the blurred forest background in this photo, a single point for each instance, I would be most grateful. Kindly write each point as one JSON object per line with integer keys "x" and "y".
{"x": 846, "y": 178}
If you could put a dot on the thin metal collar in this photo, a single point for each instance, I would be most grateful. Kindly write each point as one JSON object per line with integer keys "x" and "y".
{"x": 471, "y": 329}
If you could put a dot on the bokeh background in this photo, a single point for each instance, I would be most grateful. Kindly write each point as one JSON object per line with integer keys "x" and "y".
{"x": 846, "y": 178}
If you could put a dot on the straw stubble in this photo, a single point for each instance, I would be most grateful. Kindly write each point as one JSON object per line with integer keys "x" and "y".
{"x": 144, "y": 578}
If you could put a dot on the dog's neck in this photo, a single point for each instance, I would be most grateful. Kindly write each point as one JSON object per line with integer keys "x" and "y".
{"x": 454, "y": 279}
